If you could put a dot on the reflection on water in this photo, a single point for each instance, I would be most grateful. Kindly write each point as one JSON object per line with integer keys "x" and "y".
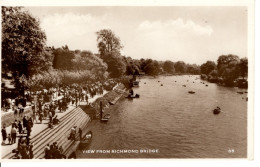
{"x": 178, "y": 124}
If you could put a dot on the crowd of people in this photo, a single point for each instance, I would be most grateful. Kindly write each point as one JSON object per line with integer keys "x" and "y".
{"x": 45, "y": 104}
{"x": 24, "y": 149}
{"x": 17, "y": 127}
{"x": 75, "y": 93}
{"x": 23, "y": 131}
{"x": 54, "y": 151}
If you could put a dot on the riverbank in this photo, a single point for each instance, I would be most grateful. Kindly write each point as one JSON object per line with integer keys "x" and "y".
{"x": 239, "y": 82}
{"x": 108, "y": 99}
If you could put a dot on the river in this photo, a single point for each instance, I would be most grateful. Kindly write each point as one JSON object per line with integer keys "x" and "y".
{"x": 171, "y": 123}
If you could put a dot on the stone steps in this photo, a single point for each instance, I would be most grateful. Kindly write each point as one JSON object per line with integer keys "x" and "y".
{"x": 67, "y": 144}
{"x": 76, "y": 117}
{"x": 62, "y": 136}
{"x": 45, "y": 131}
{"x": 54, "y": 136}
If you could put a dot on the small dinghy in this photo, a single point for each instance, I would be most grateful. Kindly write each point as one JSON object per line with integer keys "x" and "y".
{"x": 240, "y": 92}
{"x": 133, "y": 96}
{"x": 86, "y": 139}
{"x": 111, "y": 103}
{"x": 191, "y": 92}
{"x": 184, "y": 85}
{"x": 216, "y": 111}
{"x": 105, "y": 118}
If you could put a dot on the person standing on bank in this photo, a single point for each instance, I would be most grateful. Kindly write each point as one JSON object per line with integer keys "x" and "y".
{"x": 4, "y": 134}
{"x": 30, "y": 148}
{"x": 29, "y": 129}
{"x": 25, "y": 122}
{"x": 34, "y": 117}
{"x": 77, "y": 99}
{"x": 13, "y": 134}
{"x": 80, "y": 133}
{"x": 87, "y": 99}
{"x": 9, "y": 139}
{"x": 15, "y": 112}
{"x": 20, "y": 127}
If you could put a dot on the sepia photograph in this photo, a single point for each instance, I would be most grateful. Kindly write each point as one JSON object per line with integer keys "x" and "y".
{"x": 126, "y": 82}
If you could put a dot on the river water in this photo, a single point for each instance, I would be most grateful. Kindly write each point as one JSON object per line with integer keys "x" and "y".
{"x": 168, "y": 122}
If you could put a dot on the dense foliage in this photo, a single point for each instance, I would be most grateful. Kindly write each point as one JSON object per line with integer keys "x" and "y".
{"x": 228, "y": 69}
{"x": 168, "y": 66}
{"x": 207, "y": 67}
{"x": 23, "y": 43}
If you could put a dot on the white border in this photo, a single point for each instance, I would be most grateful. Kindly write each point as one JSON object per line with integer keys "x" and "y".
{"x": 252, "y": 89}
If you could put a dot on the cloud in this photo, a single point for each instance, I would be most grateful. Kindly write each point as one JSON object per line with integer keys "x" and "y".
{"x": 176, "y": 26}
{"x": 174, "y": 40}
{"x": 75, "y": 30}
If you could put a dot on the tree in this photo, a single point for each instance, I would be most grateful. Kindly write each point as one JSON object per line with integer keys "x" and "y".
{"x": 152, "y": 67}
{"x": 86, "y": 60}
{"x": 132, "y": 69}
{"x": 168, "y": 66}
{"x": 207, "y": 67}
{"x": 63, "y": 58}
{"x": 228, "y": 68}
{"x": 23, "y": 43}
{"x": 132, "y": 66}
{"x": 243, "y": 66}
{"x": 193, "y": 69}
{"x": 116, "y": 66}
{"x": 226, "y": 61}
{"x": 180, "y": 67}
{"x": 214, "y": 73}
{"x": 108, "y": 42}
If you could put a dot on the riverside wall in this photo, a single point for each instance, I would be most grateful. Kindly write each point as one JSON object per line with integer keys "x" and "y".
{"x": 107, "y": 100}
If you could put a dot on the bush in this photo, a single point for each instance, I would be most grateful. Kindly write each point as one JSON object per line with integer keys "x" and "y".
{"x": 203, "y": 76}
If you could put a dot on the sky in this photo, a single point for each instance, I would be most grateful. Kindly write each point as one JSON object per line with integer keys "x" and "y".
{"x": 176, "y": 33}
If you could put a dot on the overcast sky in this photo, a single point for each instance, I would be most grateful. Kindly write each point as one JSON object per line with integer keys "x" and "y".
{"x": 189, "y": 34}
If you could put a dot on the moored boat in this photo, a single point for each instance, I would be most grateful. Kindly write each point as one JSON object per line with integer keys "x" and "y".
{"x": 133, "y": 96}
{"x": 135, "y": 83}
{"x": 105, "y": 118}
{"x": 85, "y": 141}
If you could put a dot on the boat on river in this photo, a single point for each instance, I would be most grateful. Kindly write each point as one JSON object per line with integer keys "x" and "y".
{"x": 191, "y": 92}
{"x": 135, "y": 83}
{"x": 105, "y": 118}
{"x": 133, "y": 96}
{"x": 85, "y": 141}
{"x": 216, "y": 110}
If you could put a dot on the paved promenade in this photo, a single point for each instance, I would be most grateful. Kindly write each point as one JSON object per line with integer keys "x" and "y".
{"x": 38, "y": 127}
